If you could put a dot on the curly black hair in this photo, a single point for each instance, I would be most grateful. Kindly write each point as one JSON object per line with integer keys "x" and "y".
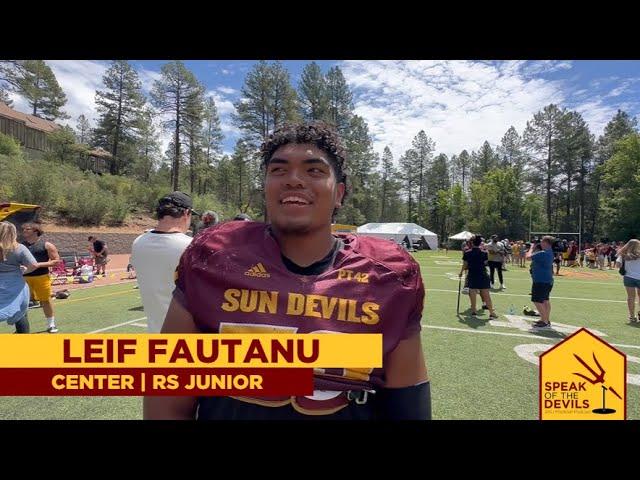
{"x": 321, "y": 134}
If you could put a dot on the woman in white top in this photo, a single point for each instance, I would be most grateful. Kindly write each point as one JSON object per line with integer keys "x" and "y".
{"x": 629, "y": 256}
{"x": 15, "y": 259}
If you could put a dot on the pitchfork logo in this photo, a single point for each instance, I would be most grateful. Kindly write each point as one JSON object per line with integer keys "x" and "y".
{"x": 595, "y": 380}
{"x": 583, "y": 377}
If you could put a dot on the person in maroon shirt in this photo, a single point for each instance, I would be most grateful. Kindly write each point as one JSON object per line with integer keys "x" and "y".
{"x": 347, "y": 283}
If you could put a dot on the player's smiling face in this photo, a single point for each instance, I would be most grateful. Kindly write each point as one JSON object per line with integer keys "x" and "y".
{"x": 301, "y": 190}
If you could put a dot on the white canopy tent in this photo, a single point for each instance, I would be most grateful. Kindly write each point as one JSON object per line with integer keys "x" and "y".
{"x": 464, "y": 235}
{"x": 400, "y": 232}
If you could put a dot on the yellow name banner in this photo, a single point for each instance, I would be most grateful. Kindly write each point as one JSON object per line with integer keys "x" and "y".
{"x": 191, "y": 350}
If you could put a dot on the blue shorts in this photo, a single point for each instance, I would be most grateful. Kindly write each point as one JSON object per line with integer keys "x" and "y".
{"x": 631, "y": 282}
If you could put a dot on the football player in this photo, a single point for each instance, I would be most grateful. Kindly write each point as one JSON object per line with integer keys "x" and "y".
{"x": 338, "y": 284}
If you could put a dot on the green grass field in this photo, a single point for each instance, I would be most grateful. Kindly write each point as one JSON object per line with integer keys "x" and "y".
{"x": 475, "y": 370}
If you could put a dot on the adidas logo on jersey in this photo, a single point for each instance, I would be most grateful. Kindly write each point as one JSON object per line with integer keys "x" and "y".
{"x": 257, "y": 270}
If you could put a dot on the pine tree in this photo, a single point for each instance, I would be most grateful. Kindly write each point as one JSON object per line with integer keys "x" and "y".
{"x": 619, "y": 127}
{"x": 340, "y": 100}
{"x": 120, "y": 106}
{"x": 172, "y": 95}
{"x": 268, "y": 100}
{"x": 511, "y": 152}
{"x": 148, "y": 146}
{"x": 423, "y": 147}
{"x": 540, "y": 136}
{"x": 193, "y": 129}
{"x": 313, "y": 94}
{"x": 362, "y": 161}
{"x": 243, "y": 170}
{"x": 438, "y": 184}
{"x": 484, "y": 161}
{"x": 212, "y": 131}
{"x": 82, "y": 129}
{"x": 35, "y": 81}
{"x": 463, "y": 168}
{"x": 409, "y": 180}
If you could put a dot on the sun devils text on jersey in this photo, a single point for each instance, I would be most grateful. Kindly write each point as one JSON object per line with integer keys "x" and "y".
{"x": 232, "y": 279}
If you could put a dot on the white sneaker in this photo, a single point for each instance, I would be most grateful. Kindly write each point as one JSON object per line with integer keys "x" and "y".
{"x": 52, "y": 329}
{"x": 502, "y": 287}
{"x": 493, "y": 286}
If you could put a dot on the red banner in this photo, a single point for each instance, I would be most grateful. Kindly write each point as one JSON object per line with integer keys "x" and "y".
{"x": 200, "y": 382}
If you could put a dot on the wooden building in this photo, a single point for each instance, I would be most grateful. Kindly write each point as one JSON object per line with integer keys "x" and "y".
{"x": 29, "y": 130}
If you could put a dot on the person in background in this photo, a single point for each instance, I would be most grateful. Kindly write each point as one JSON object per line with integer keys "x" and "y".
{"x": 100, "y": 255}
{"x": 496, "y": 252}
{"x": 475, "y": 262}
{"x": 242, "y": 217}
{"x": 629, "y": 262}
{"x": 15, "y": 259}
{"x": 46, "y": 254}
{"x": 209, "y": 219}
{"x": 542, "y": 276}
{"x": 155, "y": 255}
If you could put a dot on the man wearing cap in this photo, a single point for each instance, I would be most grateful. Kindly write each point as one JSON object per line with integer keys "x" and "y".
{"x": 209, "y": 219}
{"x": 155, "y": 255}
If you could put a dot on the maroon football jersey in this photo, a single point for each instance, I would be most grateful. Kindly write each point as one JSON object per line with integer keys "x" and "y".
{"x": 232, "y": 279}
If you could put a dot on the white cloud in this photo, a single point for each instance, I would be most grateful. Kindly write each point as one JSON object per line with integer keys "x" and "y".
{"x": 148, "y": 77}
{"x": 227, "y": 90}
{"x": 597, "y": 114}
{"x": 79, "y": 79}
{"x": 459, "y": 104}
{"x": 225, "y": 109}
{"x": 546, "y": 66}
{"x": 226, "y": 72}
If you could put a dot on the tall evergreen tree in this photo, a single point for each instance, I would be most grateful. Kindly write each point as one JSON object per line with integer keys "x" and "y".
{"x": 619, "y": 127}
{"x": 540, "y": 136}
{"x": 361, "y": 165}
{"x": 485, "y": 161}
{"x": 172, "y": 95}
{"x": 463, "y": 168}
{"x": 268, "y": 100}
{"x": 340, "y": 100}
{"x": 35, "y": 81}
{"x": 194, "y": 133}
{"x": 82, "y": 129}
{"x": 212, "y": 131}
{"x": 119, "y": 105}
{"x": 313, "y": 94}
{"x": 148, "y": 154}
{"x": 423, "y": 147}
{"x": 410, "y": 181}
{"x": 511, "y": 151}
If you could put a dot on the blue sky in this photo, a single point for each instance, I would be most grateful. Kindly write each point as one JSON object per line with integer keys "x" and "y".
{"x": 459, "y": 104}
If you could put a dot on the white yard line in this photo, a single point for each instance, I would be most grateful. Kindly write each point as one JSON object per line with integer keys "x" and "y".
{"x": 527, "y": 296}
{"x": 538, "y": 337}
{"x": 119, "y": 325}
{"x": 528, "y": 279}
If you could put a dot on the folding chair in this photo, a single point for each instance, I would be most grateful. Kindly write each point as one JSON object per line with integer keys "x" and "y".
{"x": 60, "y": 274}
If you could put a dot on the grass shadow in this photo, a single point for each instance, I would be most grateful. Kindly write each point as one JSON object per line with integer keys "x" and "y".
{"x": 473, "y": 322}
{"x": 547, "y": 332}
